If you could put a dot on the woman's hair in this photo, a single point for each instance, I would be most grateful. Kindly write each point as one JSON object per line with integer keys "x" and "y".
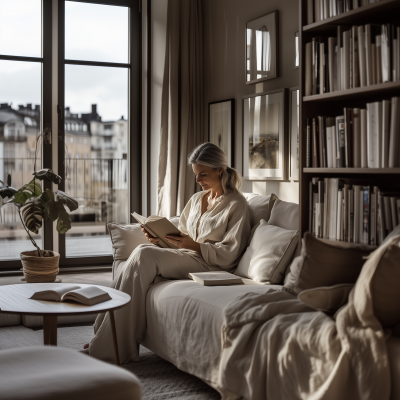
{"x": 212, "y": 156}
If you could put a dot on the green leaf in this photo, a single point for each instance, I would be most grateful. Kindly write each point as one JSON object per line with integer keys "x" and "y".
{"x": 32, "y": 214}
{"x": 31, "y": 189}
{"x": 48, "y": 175}
{"x": 63, "y": 198}
{"x": 7, "y": 191}
{"x": 49, "y": 204}
{"x": 64, "y": 220}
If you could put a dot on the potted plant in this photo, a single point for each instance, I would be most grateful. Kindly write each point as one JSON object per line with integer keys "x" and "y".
{"x": 33, "y": 206}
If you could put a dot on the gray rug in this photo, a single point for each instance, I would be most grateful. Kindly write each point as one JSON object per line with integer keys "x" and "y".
{"x": 159, "y": 378}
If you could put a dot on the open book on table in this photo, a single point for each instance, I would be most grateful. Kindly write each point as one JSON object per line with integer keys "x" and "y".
{"x": 158, "y": 227}
{"x": 89, "y": 295}
{"x": 215, "y": 278}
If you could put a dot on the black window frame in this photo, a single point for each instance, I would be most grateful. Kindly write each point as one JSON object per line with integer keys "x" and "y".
{"x": 134, "y": 117}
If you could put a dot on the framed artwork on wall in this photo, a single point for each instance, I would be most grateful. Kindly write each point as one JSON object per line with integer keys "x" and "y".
{"x": 264, "y": 136}
{"x": 296, "y": 50}
{"x": 221, "y": 126}
{"x": 294, "y": 160}
{"x": 262, "y": 48}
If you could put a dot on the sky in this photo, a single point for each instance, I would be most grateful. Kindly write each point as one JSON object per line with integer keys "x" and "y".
{"x": 92, "y": 32}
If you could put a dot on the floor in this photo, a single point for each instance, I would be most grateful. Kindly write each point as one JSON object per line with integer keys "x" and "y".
{"x": 93, "y": 278}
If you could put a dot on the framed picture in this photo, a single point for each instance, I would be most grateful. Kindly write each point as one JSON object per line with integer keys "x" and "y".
{"x": 264, "y": 136}
{"x": 221, "y": 126}
{"x": 296, "y": 50}
{"x": 261, "y": 48}
{"x": 294, "y": 158}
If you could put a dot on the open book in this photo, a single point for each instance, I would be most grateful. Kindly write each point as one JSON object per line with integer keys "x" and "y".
{"x": 158, "y": 227}
{"x": 88, "y": 295}
{"x": 215, "y": 278}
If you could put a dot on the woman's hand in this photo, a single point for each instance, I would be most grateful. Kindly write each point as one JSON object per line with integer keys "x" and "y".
{"x": 149, "y": 237}
{"x": 184, "y": 242}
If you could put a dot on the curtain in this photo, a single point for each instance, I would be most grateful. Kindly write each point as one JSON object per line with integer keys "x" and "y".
{"x": 182, "y": 105}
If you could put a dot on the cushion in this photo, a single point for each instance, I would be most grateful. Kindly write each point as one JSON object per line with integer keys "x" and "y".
{"x": 395, "y": 232}
{"x": 260, "y": 207}
{"x": 285, "y": 215}
{"x": 48, "y": 373}
{"x": 327, "y": 299}
{"x": 324, "y": 264}
{"x": 269, "y": 253}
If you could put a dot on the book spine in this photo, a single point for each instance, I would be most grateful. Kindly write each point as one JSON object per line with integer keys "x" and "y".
{"x": 321, "y": 192}
{"x": 348, "y": 127}
{"x": 333, "y": 207}
{"x": 325, "y": 233}
{"x": 355, "y": 58}
{"x": 388, "y": 214}
{"x": 329, "y": 158}
{"x": 339, "y": 57}
{"x": 386, "y": 62}
{"x": 366, "y": 215}
{"x": 386, "y": 105}
{"x": 339, "y": 220}
{"x": 345, "y": 212}
{"x": 351, "y": 216}
{"x": 378, "y": 58}
{"x": 322, "y": 142}
{"x": 373, "y": 217}
{"x": 372, "y": 134}
{"x": 356, "y": 138}
{"x": 321, "y": 68}
{"x": 309, "y": 69}
{"x": 364, "y": 138}
{"x": 382, "y": 219}
{"x": 356, "y": 218}
{"x": 394, "y": 133}
{"x": 308, "y": 148}
{"x": 310, "y": 12}
{"x": 393, "y": 211}
{"x": 340, "y": 141}
{"x": 315, "y": 144}
{"x": 361, "y": 56}
{"x": 368, "y": 54}
{"x": 331, "y": 60}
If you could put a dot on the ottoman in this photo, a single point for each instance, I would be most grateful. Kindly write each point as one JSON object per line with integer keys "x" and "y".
{"x": 49, "y": 373}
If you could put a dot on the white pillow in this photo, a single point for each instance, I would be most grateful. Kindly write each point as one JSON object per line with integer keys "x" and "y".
{"x": 285, "y": 215}
{"x": 269, "y": 253}
{"x": 260, "y": 207}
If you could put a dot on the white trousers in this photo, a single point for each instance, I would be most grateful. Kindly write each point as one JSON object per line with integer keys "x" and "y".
{"x": 145, "y": 262}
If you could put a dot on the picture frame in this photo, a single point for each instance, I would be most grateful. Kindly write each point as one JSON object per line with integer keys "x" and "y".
{"x": 261, "y": 48}
{"x": 294, "y": 149}
{"x": 265, "y": 144}
{"x": 221, "y": 126}
{"x": 296, "y": 50}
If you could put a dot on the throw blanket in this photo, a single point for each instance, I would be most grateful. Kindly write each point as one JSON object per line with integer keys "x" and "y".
{"x": 280, "y": 349}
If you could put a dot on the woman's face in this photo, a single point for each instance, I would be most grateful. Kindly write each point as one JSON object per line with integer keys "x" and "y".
{"x": 207, "y": 177}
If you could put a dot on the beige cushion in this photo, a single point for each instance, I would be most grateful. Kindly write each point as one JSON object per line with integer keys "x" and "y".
{"x": 285, "y": 215}
{"x": 384, "y": 284}
{"x": 260, "y": 207}
{"x": 327, "y": 299}
{"x": 324, "y": 264}
{"x": 269, "y": 253}
{"x": 48, "y": 373}
{"x": 395, "y": 232}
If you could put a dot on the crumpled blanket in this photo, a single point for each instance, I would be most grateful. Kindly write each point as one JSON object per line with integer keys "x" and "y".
{"x": 281, "y": 349}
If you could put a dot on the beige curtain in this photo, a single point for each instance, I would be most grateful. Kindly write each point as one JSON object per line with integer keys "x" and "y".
{"x": 182, "y": 105}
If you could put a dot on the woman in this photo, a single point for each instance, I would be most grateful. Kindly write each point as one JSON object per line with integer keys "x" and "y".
{"x": 215, "y": 226}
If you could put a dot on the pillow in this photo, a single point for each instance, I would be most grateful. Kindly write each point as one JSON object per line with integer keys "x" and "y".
{"x": 327, "y": 299}
{"x": 323, "y": 264}
{"x": 395, "y": 232}
{"x": 268, "y": 254}
{"x": 285, "y": 215}
{"x": 260, "y": 207}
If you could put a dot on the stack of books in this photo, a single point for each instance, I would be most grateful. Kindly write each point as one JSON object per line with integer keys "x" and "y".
{"x": 357, "y": 56}
{"x": 318, "y": 10}
{"x": 352, "y": 213}
{"x": 360, "y": 138}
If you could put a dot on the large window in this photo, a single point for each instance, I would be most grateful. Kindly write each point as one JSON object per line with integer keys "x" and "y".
{"x": 92, "y": 68}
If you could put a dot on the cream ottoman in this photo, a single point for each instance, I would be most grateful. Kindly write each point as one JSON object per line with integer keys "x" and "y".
{"x": 48, "y": 373}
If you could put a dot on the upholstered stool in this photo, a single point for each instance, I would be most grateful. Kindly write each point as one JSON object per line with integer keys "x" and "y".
{"x": 48, "y": 373}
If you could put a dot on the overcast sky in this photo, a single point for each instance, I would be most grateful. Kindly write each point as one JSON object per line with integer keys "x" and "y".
{"x": 92, "y": 32}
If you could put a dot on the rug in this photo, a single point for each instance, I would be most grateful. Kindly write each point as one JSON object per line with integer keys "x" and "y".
{"x": 160, "y": 379}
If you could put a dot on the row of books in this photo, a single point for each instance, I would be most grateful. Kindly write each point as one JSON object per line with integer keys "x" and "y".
{"x": 318, "y": 10}
{"x": 360, "y": 138}
{"x": 358, "y": 56}
{"x": 352, "y": 213}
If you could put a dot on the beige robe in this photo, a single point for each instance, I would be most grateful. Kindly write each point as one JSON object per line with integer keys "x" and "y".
{"x": 222, "y": 233}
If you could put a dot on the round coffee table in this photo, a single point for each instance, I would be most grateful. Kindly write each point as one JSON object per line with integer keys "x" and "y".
{"x": 15, "y": 299}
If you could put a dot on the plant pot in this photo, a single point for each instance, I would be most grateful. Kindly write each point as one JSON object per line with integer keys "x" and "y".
{"x": 40, "y": 269}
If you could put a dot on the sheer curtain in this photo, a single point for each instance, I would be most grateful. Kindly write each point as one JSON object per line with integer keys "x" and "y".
{"x": 182, "y": 105}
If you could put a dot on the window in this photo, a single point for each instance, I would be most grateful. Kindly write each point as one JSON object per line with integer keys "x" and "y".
{"x": 71, "y": 140}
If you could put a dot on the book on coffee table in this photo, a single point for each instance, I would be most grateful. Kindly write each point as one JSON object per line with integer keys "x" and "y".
{"x": 89, "y": 295}
{"x": 215, "y": 278}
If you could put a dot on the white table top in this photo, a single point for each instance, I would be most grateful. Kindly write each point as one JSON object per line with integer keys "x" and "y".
{"x": 16, "y": 299}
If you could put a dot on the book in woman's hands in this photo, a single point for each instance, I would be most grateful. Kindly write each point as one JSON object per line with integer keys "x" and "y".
{"x": 215, "y": 278}
{"x": 158, "y": 227}
{"x": 88, "y": 295}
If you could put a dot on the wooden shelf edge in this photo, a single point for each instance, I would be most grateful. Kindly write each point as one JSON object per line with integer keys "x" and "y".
{"x": 347, "y": 244}
{"x": 351, "y": 170}
{"x": 372, "y": 89}
{"x": 348, "y": 15}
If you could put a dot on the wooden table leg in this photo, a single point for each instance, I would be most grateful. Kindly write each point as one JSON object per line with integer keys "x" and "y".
{"x": 114, "y": 334}
{"x": 50, "y": 330}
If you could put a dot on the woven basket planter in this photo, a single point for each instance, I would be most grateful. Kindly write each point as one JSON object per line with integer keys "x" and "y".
{"x": 39, "y": 269}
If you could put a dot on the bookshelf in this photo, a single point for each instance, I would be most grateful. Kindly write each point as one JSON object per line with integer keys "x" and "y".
{"x": 332, "y": 104}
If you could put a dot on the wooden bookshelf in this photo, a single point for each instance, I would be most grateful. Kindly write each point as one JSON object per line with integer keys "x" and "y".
{"x": 332, "y": 104}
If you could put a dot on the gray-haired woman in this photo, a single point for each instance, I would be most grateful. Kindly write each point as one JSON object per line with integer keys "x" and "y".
{"x": 215, "y": 227}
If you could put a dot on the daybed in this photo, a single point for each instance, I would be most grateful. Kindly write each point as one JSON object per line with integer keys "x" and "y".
{"x": 184, "y": 318}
